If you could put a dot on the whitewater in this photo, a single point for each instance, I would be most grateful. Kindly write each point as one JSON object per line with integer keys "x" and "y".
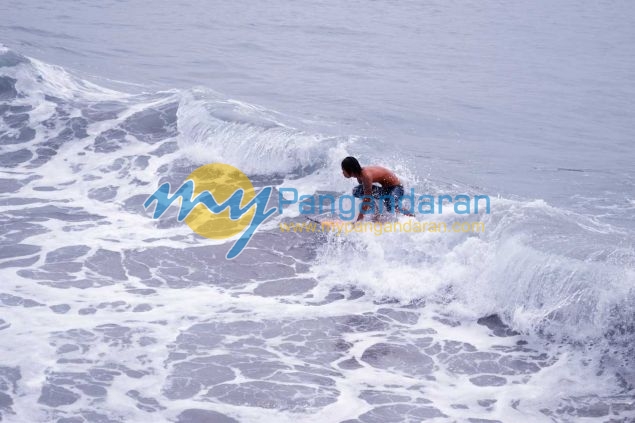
{"x": 108, "y": 315}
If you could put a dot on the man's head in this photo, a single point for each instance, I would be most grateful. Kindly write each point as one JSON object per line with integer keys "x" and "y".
{"x": 351, "y": 167}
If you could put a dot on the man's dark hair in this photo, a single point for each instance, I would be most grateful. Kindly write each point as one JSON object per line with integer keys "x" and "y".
{"x": 351, "y": 166}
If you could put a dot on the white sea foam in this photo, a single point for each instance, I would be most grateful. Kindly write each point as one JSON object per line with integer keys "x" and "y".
{"x": 548, "y": 272}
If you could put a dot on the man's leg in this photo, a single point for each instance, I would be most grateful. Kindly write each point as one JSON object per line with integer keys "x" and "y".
{"x": 397, "y": 194}
{"x": 358, "y": 192}
{"x": 391, "y": 198}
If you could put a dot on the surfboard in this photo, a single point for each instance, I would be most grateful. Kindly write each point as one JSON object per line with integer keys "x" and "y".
{"x": 323, "y": 219}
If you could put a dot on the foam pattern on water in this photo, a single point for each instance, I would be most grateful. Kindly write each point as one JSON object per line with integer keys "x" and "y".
{"x": 109, "y": 316}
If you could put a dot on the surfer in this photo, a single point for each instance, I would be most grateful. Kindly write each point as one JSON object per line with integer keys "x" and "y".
{"x": 390, "y": 190}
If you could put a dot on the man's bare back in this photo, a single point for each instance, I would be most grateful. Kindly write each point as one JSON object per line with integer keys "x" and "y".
{"x": 381, "y": 175}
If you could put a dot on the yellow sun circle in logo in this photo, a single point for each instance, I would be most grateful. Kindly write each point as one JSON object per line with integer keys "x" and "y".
{"x": 222, "y": 181}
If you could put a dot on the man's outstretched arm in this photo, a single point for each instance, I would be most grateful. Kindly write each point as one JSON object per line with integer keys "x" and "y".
{"x": 367, "y": 184}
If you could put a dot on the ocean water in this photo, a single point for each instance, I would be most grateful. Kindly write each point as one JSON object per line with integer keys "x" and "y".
{"x": 107, "y": 315}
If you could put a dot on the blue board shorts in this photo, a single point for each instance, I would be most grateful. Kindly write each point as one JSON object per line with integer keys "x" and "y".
{"x": 390, "y": 195}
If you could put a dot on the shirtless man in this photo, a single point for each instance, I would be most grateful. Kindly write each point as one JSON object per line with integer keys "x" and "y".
{"x": 390, "y": 191}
